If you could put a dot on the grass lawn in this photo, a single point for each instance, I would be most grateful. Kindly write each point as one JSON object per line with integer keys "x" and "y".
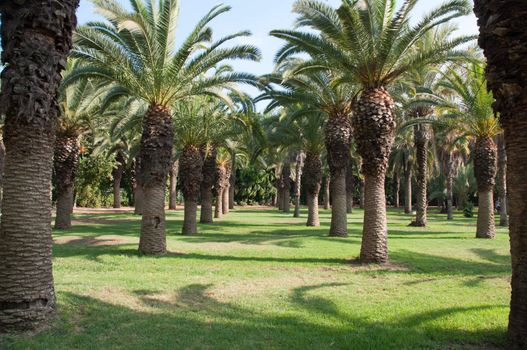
{"x": 259, "y": 279}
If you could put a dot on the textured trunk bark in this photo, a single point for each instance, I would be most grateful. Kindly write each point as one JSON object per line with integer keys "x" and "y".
{"x": 286, "y": 187}
{"x": 225, "y": 198}
{"x": 374, "y": 247}
{"x": 501, "y": 182}
{"x": 218, "y": 208}
{"x": 421, "y": 139}
{"x": 361, "y": 189}
{"x": 485, "y": 226}
{"x": 138, "y": 192}
{"x": 349, "y": 186}
{"x": 408, "y": 192}
{"x": 232, "y": 181}
{"x": 117, "y": 174}
{"x": 396, "y": 189}
{"x": 219, "y": 189}
{"x": 36, "y": 39}
{"x": 2, "y": 166}
{"x": 191, "y": 171}
{"x": 327, "y": 193}
{"x": 374, "y": 125}
{"x": 207, "y": 183}
{"x": 485, "y": 168}
{"x": 503, "y": 34}
{"x": 339, "y": 217}
{"x": 190, "y": 227}
{"x": 312, "y": 210}
{"x": 286, "y": 198}
{"x": 313, "y": 178}
{"x": 65, "y": 162}
{"x": 172, "y": 198}
{"x": 157, "y": 142}
{"x": 152, "y": 240}
{"x": 279, "y": 200}
{"x": 298, "y": 182}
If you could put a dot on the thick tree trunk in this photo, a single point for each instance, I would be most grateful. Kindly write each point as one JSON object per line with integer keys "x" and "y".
{"x": 339, "y": 217}
{"x": 408, "y": 191}
{"x": 298, "y": 182}
{"x": 117, "y": 174}
{"x": 207, "y": 183}
{"x": 450, "y": 187}
{"x": 374, "y": 126}
{"x": 191, "y": 171}
{"x": 2, "y": 167}
{"x": 313, "y": 178}
{"x": 327, "y": 193}
{"x": 502, "y": 182}
{"x": 503, "y": 36}
{"x": 156, "y": 158}
{"x": 338, "y": 142}
{"x": 36, "y": 39}
{"x": 421, "y": 140}
{"x": 396, "y": 190}
{"x": 485, "y": 168}
{"x": 138, "y": 192}
{"x": 66, "y": 161}
{"x": 349, "y": 186}
{"x": 218, "y": 208}
{"x": 172, "y": 197}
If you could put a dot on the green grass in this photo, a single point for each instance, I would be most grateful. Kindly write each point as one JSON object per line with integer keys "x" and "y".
{"x": 259, "y": 279}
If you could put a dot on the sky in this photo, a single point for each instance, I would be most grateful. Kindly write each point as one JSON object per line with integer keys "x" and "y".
{"x": 260, "y": 17}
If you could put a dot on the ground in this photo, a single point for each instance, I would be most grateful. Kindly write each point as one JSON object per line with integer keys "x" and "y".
{"x": 259, "y": 279}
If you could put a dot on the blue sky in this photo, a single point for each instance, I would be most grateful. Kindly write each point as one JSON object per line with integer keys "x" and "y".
{"x": 258, "y": 16}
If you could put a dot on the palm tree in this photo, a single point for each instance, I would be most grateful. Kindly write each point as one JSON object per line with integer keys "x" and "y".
{"x": 503, "y": 37}
{"x": 502, "y": 182}
{"x": 371, "y": 44}
{"x": 134, "y": 52}
{"x": 36, "y": 38}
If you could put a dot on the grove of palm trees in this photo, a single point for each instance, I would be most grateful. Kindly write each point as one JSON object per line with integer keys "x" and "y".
{"x": 353, "y": 177}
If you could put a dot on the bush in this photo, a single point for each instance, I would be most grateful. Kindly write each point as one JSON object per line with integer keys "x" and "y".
{"x": 93, "y": 183}
{"x": 468, "y": 210}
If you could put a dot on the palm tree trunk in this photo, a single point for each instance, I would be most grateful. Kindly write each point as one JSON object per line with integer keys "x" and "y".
{"x": 421, "y": 140}
{"x": 374, "y": 115}
{"x": 485, "y": 168}
{"x": 172, "y": 198}
{"x": 226, "y": 190}
{"x": 138, "y": 191}
{"x": 349, "y": 186}
{"x": 117, "y": 174}
{"x": 156, "y": 158}
{"x": 66, "y": 161}
{"x": 408, "y": 191}
{"x": 338, "y": 142}
{"x": 286, "y": 187}
{"x": 36, "y": 38}
{"x": 396, "y": 190}
{"x": 2, "y": 167}
{"x": 361, "y": 189}
{"x": 232, "y": 180}
{"x": 218, "y": 208}
{"x": 449, "y": 184}
{"x": 503, "y": 35}
{"x": 502, "y": 182}
{"x": 313, "y": 178}
{"x": 191, "y": 171}
{"x": 298, "y": 182}
{"x": 219, "y": 188}
{"x": 207, "y": 183}
{"x": 327, "y": 193}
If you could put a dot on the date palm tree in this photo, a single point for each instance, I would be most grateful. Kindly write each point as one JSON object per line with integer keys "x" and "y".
{"x": 36, "y": 39}
{"x": 135, "y": 51}
{"x": 370, "y": 43}
{"x": 503, "y": 38}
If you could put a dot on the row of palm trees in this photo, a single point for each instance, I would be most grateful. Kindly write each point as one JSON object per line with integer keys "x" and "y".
{"x": 364, "y": 73}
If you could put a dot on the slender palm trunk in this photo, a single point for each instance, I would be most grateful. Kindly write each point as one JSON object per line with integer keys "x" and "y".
{"x": 219, "y": 188}
{"x": 226, "y": 190}
{"x": 65, "y": 162}
{"x": 485, "y": 167}
{"x": 138, "y": 191}
{"x": 172, "y": 198}
{"x": 408, "y": 191}
{"x": 313, "y": 178}
{"x": 374, "y": 115}
{"x": 191, "y": 171}
{"x": 218, "y": 208}
{"x": 349, "y": 186}
{"x": 117, "y": 174}
{"x": 156, "y": 158}
{"x": 36, "y": 38}
{"x": 298, "y": 182}
{"x": 327, "y": 192}
{"x": 396, "y": 190}
{"x": 207, "y": 183}
{"x": 502, "y": 182}
{"x": 339, "y": 217}
{"x": 286, "y": 187}
{"x": 232, "y": 181}
{"x": 421, "y": 140}
{"x": 450, "y": 188}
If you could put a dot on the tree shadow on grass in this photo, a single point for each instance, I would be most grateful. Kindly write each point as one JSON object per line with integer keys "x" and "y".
{"x": 193, "y": 318}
